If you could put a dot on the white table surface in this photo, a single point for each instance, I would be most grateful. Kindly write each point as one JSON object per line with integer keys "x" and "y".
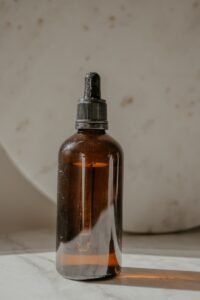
{"x": 27, "y": 271}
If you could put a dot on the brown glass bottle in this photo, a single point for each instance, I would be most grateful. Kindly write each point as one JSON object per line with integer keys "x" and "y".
{"x": 89, "y": 212}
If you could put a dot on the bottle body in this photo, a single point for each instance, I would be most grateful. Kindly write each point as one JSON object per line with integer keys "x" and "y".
{"x": 89, "y": 211}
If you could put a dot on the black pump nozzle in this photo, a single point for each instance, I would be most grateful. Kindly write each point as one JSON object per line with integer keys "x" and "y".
{"x": 92, "y": 86}
{"x": 92, "y": 110}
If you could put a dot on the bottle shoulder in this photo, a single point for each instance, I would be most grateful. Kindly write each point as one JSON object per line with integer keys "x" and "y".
{"x": 69, "y": 144}
{"x": 87, "y": 143}
{"x": 111, "y": 143}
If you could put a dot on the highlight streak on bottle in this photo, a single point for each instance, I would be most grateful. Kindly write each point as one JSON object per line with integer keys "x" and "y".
{"x": 87, "y": 178}
{"x": 83, "y": 190}
{"x": 110, "y": 181}
{"x": 117, "y": 179}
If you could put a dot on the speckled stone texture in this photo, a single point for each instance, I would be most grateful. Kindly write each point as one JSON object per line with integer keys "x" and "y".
{"x": 147, "y": 53}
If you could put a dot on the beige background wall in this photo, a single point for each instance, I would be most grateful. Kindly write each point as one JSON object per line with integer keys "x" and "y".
{"x": 148, "y": 55}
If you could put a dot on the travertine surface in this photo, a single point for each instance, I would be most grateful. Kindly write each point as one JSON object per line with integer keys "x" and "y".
{"x": 33, "y": 276}
{"x": 27, "y": 264}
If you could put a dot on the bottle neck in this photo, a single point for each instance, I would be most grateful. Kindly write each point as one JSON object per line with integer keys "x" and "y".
{"x": 92, "y": 131}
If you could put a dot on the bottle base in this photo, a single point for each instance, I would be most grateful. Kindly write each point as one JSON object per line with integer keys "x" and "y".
{"x": 88, "y": 278}
{"x": 80, "y": 276}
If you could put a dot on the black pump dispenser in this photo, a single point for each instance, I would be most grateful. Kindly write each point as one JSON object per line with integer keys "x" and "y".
{"x": 92, "y": 110}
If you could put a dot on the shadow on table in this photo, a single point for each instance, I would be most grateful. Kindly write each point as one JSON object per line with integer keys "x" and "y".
{"x": 154, "y": 278}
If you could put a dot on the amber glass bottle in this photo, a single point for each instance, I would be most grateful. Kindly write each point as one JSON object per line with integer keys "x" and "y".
{"x": 89, "y": 211}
